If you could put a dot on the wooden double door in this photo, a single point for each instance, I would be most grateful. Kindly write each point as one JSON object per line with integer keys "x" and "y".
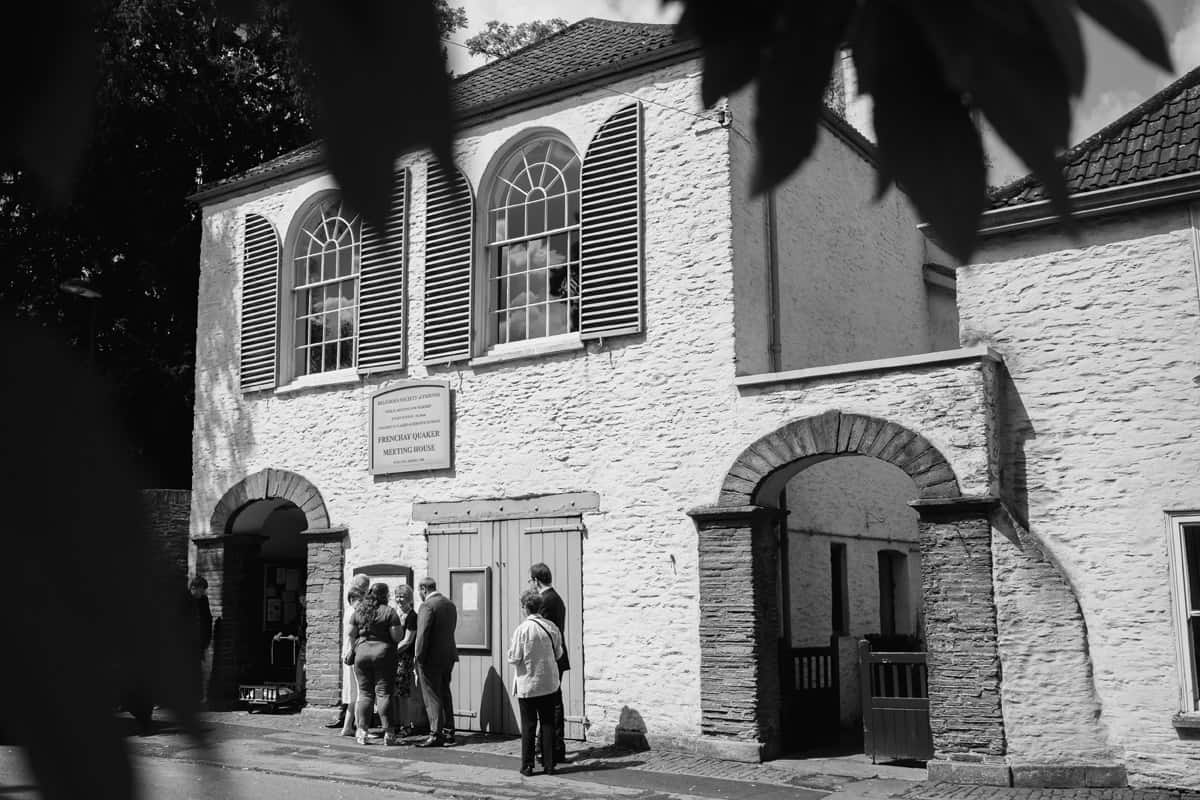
{"x": 484, "y": 568}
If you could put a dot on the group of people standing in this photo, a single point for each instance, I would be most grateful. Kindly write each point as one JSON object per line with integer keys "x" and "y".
{"x": 391, "y": 648}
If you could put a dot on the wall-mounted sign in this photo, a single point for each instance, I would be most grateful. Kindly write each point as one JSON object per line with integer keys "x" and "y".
{"x": 411, "y": 428}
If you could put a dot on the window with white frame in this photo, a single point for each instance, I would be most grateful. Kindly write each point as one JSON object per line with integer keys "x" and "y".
{"x": 324, "y": 288}
{"x": 533, "y": 244}
{"x": 1185, "y": 574}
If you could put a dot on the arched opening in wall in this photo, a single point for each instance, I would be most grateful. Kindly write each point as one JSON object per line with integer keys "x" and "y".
{"x": 271, "y": 599}
{"x": 849, "y": 574}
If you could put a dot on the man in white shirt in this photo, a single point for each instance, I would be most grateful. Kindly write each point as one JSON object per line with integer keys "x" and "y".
{"x": 534, "y": 652}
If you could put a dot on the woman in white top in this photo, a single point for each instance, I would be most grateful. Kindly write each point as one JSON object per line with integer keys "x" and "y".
{"x": 534, "y": 651}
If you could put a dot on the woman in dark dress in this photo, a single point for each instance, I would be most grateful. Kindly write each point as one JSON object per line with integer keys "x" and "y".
{"x": 404, "y": 659}
{"x": 375, "y": 629}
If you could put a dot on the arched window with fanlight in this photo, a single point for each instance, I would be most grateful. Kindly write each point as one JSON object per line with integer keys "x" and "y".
{"x": 324, "y": 288}
{"x": 533, "y": 244}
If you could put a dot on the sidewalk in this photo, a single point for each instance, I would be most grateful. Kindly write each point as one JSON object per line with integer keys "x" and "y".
{"x": 486, "y": 766}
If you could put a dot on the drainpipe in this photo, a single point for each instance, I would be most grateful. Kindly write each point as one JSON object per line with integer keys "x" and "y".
{"x": 774, "y": 337}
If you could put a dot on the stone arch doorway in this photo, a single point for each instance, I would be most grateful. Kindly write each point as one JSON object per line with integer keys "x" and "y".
{"x": 740, "y": 617}
{"x": 278, "y": 519}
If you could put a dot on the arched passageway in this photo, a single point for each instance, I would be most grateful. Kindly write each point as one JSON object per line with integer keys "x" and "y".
{"x": 274, "y": 568}
{"x": 739, "y": 564}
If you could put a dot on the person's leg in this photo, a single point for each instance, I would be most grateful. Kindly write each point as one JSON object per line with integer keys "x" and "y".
{"x": 433, "y": 703}
{"x": 545, "y": 714}
{"x": 385, "y": 680}
{"x": 528, "y": 726}
{"x": 560, "y": 726}
{"x": 364, "y": 673}
{"x": 447, "y": 705}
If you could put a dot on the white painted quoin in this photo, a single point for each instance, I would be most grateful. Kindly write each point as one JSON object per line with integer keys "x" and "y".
{"x": 766, "y": 338}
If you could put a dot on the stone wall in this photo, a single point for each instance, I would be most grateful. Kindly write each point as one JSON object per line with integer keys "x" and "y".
{"x": 166, "y": 513}
{"x": 323, "y": 601}
{"x": 1100, "y": 335}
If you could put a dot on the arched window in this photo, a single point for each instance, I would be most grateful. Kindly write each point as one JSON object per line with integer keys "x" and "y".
{"x": 533, "y": 244}
{"x": 325, "y": 263}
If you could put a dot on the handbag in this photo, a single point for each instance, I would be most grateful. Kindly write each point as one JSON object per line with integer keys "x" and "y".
{"x": 562, "y": 662}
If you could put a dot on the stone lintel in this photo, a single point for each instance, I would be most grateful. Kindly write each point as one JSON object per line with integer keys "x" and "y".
{"x": 936, "y": 508}
{"x": 710, "y": 515}
{"x": 545, "y": 505}
{"x": 335, "y": 534}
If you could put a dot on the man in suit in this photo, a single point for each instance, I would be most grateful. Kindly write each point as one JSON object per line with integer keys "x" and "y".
{"x": 555, "y": 611}
{"x": 435, "y": 653}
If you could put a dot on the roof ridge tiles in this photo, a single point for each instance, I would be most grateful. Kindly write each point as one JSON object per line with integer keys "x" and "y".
{"x": 1137, "y": 130}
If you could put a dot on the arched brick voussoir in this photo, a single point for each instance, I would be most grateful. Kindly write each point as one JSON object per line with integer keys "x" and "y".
{"x": 834, "y": 433}
{"x": 271, "y": 483}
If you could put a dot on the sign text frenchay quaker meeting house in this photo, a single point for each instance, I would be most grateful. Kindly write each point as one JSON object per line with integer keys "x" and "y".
{"x": 411, "y": 428}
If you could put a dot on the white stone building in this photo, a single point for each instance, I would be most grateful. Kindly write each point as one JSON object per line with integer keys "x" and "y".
{"x": 646, "y": 368}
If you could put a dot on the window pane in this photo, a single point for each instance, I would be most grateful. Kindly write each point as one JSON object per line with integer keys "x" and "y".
{"x": 537, "y": 288}
{"x": 516, "y": 291}
{"x": 515, "y": 258}
{"x": 346, "y": 354}
{"x": 499, "y": 226}
{"x": 573, "y": 208}
{"x": 573, "y": 315}
{"x": 535, "y": 217}
{"x": 345, "y": 261}
{"x": 556, "y": 318}
{"x": 516, "y": 326}
{"x": 536, "y": 322}
{"x": 502, "y": 327}
{"x": 314, "y": 359}
{"x": 516, "y": 222}
{"x": 301, "y": 332}
{"x": 558, "y": 282}
{"x": 558, "y": 249}
{"x": 328, "y": 262}
{"x": 330, "y": 356}
{"x": 331, "y": 330}
{"x": 1191, "y": 558}
{"x": 316, "y": 331}
{"x": 537, "y": 253}
{"x": 556, "y": 213}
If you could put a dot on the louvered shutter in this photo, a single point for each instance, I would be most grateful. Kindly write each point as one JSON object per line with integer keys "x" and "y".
{"x": 448, "y": 245}
{"x": 260, "y": 292}
{"x": 382, "y": 289}
{"x": 611, "y": 298}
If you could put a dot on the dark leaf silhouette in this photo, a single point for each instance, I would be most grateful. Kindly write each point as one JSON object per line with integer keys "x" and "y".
{"x": 791, "y": 88}
{"x": 927, "y": 140}
{"x": 1133, "y": 22}
{"x": 382, "y": 89}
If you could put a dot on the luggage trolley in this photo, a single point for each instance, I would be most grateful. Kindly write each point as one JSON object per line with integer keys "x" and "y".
{"x": 274, "y": 695}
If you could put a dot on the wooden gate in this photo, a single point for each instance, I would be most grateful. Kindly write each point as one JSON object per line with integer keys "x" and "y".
{"x": 808, "y": 685}
{"x": 482, "y": 682}
{"x": 895, "y": 702}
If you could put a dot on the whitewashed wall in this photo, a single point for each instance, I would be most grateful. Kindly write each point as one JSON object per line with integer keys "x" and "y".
{"x": 1101, "y": 337}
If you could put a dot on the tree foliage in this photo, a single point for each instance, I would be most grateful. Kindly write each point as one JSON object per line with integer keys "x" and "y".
{"x": 500, "y": 39}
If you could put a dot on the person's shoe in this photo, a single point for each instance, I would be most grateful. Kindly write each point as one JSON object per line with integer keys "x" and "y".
{"x": 390, "y": 739}
{"x": 527, "y": 772}
{"x": 432, "y": 741}
{"x": 361, "y": 736}
{"x": 448, "y": 740}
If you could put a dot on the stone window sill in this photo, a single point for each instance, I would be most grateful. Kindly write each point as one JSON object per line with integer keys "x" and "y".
{"x": 1187, "y": 721}
{"x": 341, "y": 377}
{"x": 533, "y": 349}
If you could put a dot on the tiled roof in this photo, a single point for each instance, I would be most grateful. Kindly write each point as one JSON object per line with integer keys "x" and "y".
{"x": 1158, "y": 139}
{"x": 581, "y": 52}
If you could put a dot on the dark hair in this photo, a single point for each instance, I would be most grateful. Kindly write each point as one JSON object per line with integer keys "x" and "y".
{"x": 427, "y": 583}
{"x": 368, "y": 607}
{"x": 541, "y": 573}
{"x": 353, "y": 596}
{"x": 197, "y": 582}
{"x": 532, "y": 601}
